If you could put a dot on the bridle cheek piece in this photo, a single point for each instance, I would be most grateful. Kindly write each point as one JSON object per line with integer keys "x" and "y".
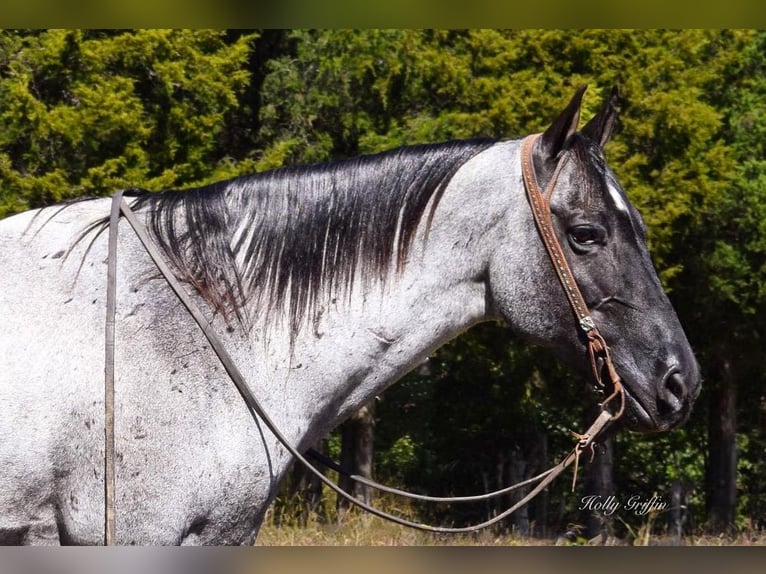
{"x": 539, "y": 203}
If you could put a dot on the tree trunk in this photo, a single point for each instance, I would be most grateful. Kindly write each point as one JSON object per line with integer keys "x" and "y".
{"x": 517, "y": 472}
{"x": 541, "y": 501}
{"x": 722, "y": 455}
{"x": 678, "y": 514}
{"x": 303, "y": 490}
{"x": 356, "y": 453}
{"x": 599, "y": 481}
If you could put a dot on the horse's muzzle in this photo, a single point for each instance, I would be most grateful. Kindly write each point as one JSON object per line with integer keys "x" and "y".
{"x": 675, "y": 395}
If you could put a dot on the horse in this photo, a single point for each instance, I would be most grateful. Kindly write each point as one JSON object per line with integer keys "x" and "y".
{"x": 326, "y": 284}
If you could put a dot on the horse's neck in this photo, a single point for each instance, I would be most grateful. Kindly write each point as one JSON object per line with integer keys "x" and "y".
{"x": 353, "y": 353}
{"x": 353, "y": 349}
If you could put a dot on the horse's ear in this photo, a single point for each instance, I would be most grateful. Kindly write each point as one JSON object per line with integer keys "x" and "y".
{"x": 599, "y": 129}
{"x": 563, "y": 127}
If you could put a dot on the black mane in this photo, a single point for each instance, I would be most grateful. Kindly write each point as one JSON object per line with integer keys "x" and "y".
{"x": 298, "y": 234}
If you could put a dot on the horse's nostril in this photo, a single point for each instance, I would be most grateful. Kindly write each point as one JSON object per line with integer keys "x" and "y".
{"x": 676, "y": 385}
{"x": 672, "y": 395}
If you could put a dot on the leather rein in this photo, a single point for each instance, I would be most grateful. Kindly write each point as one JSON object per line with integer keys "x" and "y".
{"x": 597, "y": 349}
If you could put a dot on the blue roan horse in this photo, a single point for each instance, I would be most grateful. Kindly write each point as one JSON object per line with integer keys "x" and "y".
{"x": 327, "y": 284}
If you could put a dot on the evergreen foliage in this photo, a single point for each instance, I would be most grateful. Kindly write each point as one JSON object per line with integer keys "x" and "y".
{"x": 88, "y": 112}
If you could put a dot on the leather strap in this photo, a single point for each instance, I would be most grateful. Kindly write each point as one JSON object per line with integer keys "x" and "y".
{"x": 111, "y": 307}
{"x": 541, "y": 211}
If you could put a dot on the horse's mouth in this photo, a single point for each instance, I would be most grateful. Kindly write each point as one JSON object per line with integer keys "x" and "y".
{"x": 637, "y": 417}
{"x": 638, "y": 414}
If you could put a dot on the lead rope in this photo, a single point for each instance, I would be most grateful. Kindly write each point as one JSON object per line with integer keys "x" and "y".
{"x": 596, "y": 348}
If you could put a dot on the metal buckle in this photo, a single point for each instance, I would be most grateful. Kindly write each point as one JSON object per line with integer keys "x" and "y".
{"x": 587, "y": 324}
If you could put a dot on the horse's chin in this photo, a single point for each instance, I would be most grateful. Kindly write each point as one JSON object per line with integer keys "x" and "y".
{"x": 638, "y": 418}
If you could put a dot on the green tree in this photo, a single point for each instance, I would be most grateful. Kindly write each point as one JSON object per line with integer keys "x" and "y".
{"x": 732, "y": 262}
{"x": 89, "y": 112}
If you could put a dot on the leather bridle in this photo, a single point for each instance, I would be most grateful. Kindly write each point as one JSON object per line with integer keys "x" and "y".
{"x": 539, "y": 202}
{"x": 597, "y": 350}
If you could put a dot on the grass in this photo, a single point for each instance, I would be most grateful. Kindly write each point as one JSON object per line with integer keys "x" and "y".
{"x": 370, "y": 531}
{"x": 366, "y": 530}
{"x": 293, "y": 524}
{"x": 360, "y": 529}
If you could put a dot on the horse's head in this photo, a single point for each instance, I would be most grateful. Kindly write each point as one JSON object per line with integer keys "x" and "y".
{"x": 604, "y": 241}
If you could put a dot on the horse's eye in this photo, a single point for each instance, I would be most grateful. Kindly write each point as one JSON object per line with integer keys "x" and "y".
{"x": 586, "y": 235}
